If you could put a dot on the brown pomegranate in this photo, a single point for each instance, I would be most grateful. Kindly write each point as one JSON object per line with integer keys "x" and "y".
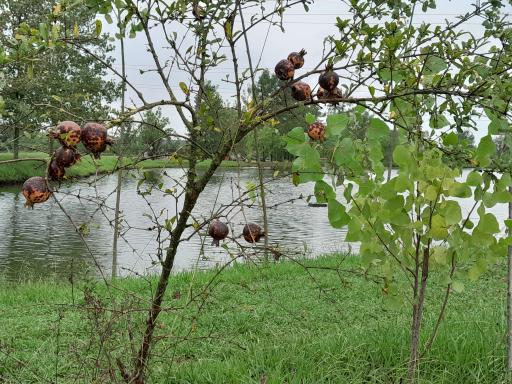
{"x": 55, "y": 171}
{"x": 301, "y": 91}
{"x": 322, "y": 94}
{"x": 284, "y": 70}
{"x": 329, "y": 79}
{"x": 252, "y": 233}
{"x": 297, "y": 58}
{"x": 68, "y": 133}
{"x": 316, "y": 131}
{"x": 66, "y": 157}
{"x": 198, "y": 12}
{"x": 219, "y": 231}
{"x": 35, "y": 191}
{"x": 94, "y": 138}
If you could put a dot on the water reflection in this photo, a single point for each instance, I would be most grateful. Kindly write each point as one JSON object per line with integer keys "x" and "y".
{"x": 42, "y": 242}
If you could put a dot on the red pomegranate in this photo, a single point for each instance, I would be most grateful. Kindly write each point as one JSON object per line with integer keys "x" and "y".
{"x": 316, "y": 131}
{"x": 95, "y": 139}
{"x": 297, "y": 58}
{"x": 68, "y": 133}
{"x": 252, "y": 233}
{"x": 55, "y": 171}
{"x": 35, "y": 191}
{"x": 329, "y": 79}
{"x": 66, "y": 157}
{"x": 285, "y": 70}
{"x": 219, "y": 231}
{"x": 301, "y": 91}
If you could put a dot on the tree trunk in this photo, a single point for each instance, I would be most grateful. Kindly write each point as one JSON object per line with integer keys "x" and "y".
{"x": 417, "y": 318}
{"x": 119, "y": 162}
{"x": 509, "y": 296}
{"x": 16, "y": 142}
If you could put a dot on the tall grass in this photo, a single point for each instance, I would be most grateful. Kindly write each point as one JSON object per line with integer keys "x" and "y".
{"x": 275, "y": 323}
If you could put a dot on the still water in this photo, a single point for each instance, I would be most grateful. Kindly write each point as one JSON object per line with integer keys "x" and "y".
{"x": 44, "y": 243}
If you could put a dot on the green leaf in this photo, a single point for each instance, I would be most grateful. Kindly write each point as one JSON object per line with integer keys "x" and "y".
{"x": 438, "y": 229}
{"x": 458, "y": 286}
{"x": 438, "y": 121}
{"x": 451, "y": 212}
{"x": 338, "y": 217}
{"x": 378, "y": 129}
{"x": 310, "y": 118}
{"x": 474, "y": 178}
{"x": 345, "y": 152}
{"x": 323, "y": 192}
{"x": 336, "y": 124}
{"x": 488, "y": 224}
{"x": 294, "y": 140}
{"x": 401, "y": 155}
{"x": 434, "y": 64}
{"x": 184, "y": 88}
{"x": 485, "y": 149}
{"x": 451, "y": 139}
{"x": 99, "y": 26}
{"x": 459, "y": 190}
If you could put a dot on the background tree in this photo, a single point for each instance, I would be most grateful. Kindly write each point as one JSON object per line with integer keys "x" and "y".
{"x": 39, "y": 86}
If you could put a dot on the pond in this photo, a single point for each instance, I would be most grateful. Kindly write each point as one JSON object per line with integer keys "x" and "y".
{"x": 43, "y": 242}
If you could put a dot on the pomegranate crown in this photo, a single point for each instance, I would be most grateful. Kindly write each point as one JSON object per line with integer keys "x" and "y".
{"x": 303, "y": 52}
{"x": 329, "y": 66}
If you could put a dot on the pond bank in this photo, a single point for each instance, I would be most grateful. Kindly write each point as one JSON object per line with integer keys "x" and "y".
{"x": 270, "y": 323}
{"x": 18, "y": 172}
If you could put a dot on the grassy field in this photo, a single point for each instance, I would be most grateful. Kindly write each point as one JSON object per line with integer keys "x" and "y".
{"x": 275, "y": 323}
{"x": 18, "y": 172}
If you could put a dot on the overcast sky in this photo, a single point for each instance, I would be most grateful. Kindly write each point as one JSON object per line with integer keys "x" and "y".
{"x": 302, "y": 30}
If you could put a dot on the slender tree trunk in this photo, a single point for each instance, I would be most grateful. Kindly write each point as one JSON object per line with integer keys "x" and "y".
{"x": 417, "y": 318}
{"x": 258, "y": 161}
{"x": 16, "y": 142}
{"x": 509, "y": 296}
{"x": 119, "y": 162}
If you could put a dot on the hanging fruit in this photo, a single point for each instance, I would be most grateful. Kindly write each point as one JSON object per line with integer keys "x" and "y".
{"x": 297, "y": 58}
{"x": 316, "y": 131}
{"x": 198, "y": 11}
{"x": 95, "y": 139}
{"x": 285, "y": 70}
{"x": 252, "y": 233}
{"x": 322, "y": 94}
{"x": 35, "y": 191}
{"x": 55, "y": 171}
{"x": 301, "y": 91}
{"x": 68, "y": 133}
{"x": 66, "y": 157}
{"x": 219, "y": 231}
{"x": 329, "y": 79}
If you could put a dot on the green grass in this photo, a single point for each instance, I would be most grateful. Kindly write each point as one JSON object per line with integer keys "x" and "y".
{"x": 18, "y": 172}
{"x": 277, "y": 322}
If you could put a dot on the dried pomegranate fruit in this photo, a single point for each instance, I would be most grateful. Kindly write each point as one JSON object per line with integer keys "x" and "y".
{"x": 252, "y": 233}
{"x": 329, "y": 79}
{"x": 297, "y": 58}
{"x": 316, "y": 131}
{"x": 94, "y": 138}
{"x": 301, "y": 91}
{"x": 198, "y": 11}
{"x": 68, "y": 133}
{"x": 55, "y": 171}
{"x": 35, "y": 191}
{"x": 66, "y": 157}
{"x": 219, "y": 231}
{"x": 284, "y": 70}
